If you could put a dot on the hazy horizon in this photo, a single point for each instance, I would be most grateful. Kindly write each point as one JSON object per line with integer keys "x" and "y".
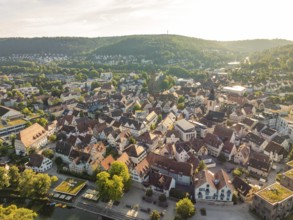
{"x": 210, "y": 19}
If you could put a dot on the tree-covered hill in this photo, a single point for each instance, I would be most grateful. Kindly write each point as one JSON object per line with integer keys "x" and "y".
{"x": 280, "y": 58}
{"x": 58, "y": 45}
{"x": 250, "y": 46}
{"x": 161, "y": 49}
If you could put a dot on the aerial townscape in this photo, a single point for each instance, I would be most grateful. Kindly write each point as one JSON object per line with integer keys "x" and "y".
{"x": 130, "y": 137}
{"x": 146, "y": 110}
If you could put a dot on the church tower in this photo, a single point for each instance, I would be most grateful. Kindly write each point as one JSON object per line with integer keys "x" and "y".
{"x": 211, "y": 101}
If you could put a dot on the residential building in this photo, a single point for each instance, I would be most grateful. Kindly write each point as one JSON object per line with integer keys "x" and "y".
{"x": 286, "y": 179}
{"x": 161, "y": 183}
{"x": 35, "y": 136}
{"x": 242, "y": 155}
{"x": 172, "y": 136}
{"x": 259, "y": 165}
{"x": 136, "y": 153}
{"x": 275, "y": 151}
{"x": 256, "y": 142}
{"x": 38, "y": 163}
{"x": 213, "y": 187}
{"x": 245, "y": 191}
{"x": 214, "y": 144}
{"x": 140, "y": 172}
{"x": 182, "y": 172}
{"x": 273, "y": 202}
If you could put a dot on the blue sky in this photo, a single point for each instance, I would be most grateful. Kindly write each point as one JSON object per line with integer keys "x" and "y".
{"x": 208, "y": 19}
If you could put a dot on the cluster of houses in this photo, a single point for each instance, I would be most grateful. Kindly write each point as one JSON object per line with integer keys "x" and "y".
{"x": 162, "y": 144}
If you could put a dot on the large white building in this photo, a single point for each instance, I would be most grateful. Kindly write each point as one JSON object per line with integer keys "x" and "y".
{"x": 216, "y": 187}
{"x": 186, "y": 129}
{"x": 239, "y": 90}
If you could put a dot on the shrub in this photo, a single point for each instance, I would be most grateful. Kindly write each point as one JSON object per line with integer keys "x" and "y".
{"x": 162, "y": 198}
{"x": 149, "y": 192}
{"x": 177, "y": 193}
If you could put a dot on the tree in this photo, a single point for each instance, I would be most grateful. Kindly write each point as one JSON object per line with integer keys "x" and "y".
{"x": 26, "y": 111}
{"x": 42, "y": 121}
{"x": 12, "y": 212}
{"x": 58, "y": 161}
{"x": 237, "y": 172}
{"x": 162, "y": 198}
{"x": 111, "y": 184}
{"x": 53, "y": 138}
{"x": 136, "y": 107}
{"x": 149, "y": 192}
{"x": 132, "y": 140}
{"x": 48, "y": 153}
{"x": 181, "y": 99}
{"x": 4, "y": 178}
{"x": 153, "y": 127}
{"x": 185, "y": 208}
{"x": 180, "y": 106}
{"x": 116, "y": 188}
{"x": 14, "y": 176}
{"x": 159, "y": 118}
{"x": 155, "y": 215}
{"x": 34, "y": 185}
{"x": 201, "y": 166}
{"x": 102, "y": 184}
{"x": 120, "y": 169}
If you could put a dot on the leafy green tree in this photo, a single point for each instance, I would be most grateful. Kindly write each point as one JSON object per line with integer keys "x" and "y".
{"x": 181, "y": 99}
{"x": 116, "y": 188}
{"x": 48, "y": 153}
{"x": 155, "y": 215}
{"x": 120, "y": 169}
{"x": 4, "y": 178}
{"x": 12, "y": 212}
{"x": 180, "y": 106}
{"x": 14, "y": 176}
{"x": 132, "y": 140}
{"x": 162, "y": 198}
{"x": 42, "y": 121}
{"x": 237, "y": 172}
{"x": 160, "y": 117}
{"x": 149, "y": 192}
{"x": 201, "y": 166}
{"x": 112, "y": 184}
{"x": 34, "y": 185}
{"x": 58, "y": 161}
{"x": 103, "y": 184}
{"x": 26, "y": 111}
{"x": 185, "y": 208}
{"x": 136, "y": 107}
{"x": 53, "y": 138}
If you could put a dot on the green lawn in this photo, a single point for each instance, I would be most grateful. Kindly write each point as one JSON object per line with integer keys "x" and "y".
{"x": 275, "y": 193}
{"x": 70, "y": 186}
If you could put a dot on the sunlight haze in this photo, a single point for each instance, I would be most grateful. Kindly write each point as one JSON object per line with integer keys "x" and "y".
{"x": 208, "y": 19}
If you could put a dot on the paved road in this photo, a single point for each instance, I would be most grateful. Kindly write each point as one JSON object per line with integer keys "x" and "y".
{"x": 218, "y": 212}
